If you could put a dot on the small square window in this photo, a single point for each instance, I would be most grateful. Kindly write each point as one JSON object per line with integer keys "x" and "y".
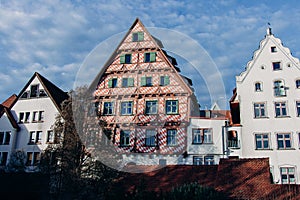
{"x": 284, "y": 141}
{"x": 127, "y": 82}
{"x": 126, "y": 108}
{"x": 273, "y": 49}
{"x": 164, "y": 80}
{"x": 171, "y": 107}
{"x": 108, "y": 108}
{"x": 276, "y": 66}
{"x": 198, "y": 160}
{"x": 137, "y": 36}
{"x": 125, "y": 59}
{"x": 150, "y": 57}
{"x": 113, "y": 83}
{"x": 146, "y": 81}
{"x": 151, "y": 107}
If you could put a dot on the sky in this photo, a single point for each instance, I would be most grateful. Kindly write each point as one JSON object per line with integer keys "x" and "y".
{"x": 54, "y": 37}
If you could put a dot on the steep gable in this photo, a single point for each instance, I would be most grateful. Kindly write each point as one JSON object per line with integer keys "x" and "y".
{"x": 46, "y": 89}
{"x": 270, "y": 44}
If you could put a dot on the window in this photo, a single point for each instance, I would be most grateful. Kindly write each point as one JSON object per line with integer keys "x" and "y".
{"x": 138, "y": 36}
{"x": 126, "y": 108}
{"x": 5, "y": 138}
{"x": 151, "y": 107}
{"x": 171, "y": 137}
{"x": 35, "y": 137}
{"x": 259, "y": 110}
{"x": 280, "y": 109}
{"x": 34, "y": 90}
{"x": 127, "y": 82}
{"x": 262, "y": 141}
{"x": 298, "y": 83}
{"x": 164, "y": 80}
{"x": 150, "y": 138}
{"x": 3, "y": 158}
{"x": 125, "y": 59}
{"x": 284, "y": 141}
{"x": 150, "y": 57}
{"x": 108, "y": 108}
{"x": 258, "y": 87}
{"x": 276, "y": 66}
{"x": 298, "y": 108}
{"x": 33, "y": 158}
{"x": 113, "y": 83}
{"x": 209, "y": 160}
{"x": 146, "y": 81}
{"x": 21, "y": 117}
{"x": 34, "y": 116}
{"x": 279, "y": 88}
{"x": 171, "y": 107}
{"x": 43, "y": 93}
{"x": 287, "y": 175}
{"x": 25, "y": 95}
{"x": 27, "y": 114}
{"x": 125, "y": 138}
{"x": 232, "y": 138}
{"x": 202, "y": 136}
{"x": 50, "y": 136}
{"x": 197, "y": 160}
{"x": 273, "y": 49}
{"x": 41, "y": 116}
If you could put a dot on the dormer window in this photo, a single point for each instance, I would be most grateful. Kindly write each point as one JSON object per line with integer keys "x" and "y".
{"x": 276, "y": 66}
{"x": 273, "y": 49}
{"x": 258, "y": 87}
{"x": 137, "y": 37}
{"x": 34, "y": 89}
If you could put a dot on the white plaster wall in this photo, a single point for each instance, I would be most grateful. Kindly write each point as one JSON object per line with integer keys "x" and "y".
{"x": 247, "y": 96}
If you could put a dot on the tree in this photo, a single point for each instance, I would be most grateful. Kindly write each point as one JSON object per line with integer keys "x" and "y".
{"x": 17, "y": 162}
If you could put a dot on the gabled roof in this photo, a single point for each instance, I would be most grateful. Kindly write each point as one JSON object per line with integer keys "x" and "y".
{"x": 157, "y": 44}
{"x": 5, "y": 108}
{"x": 262, "y": 45}
{"x": 10, "y": 102}
{"x": 56, "y": 94}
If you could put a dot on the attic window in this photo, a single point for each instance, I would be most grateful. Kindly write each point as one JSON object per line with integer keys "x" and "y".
{"x": 276, "y": 66}
{"x": 43, "y": 93}
{"x": 34, "y": 90}
{"x": 150, "y": 57}
{"x": 25, "y": 95}
{"x": 273, "y": 49}
{"x": 137, "y": 36}
{"x": 125, "y": 59}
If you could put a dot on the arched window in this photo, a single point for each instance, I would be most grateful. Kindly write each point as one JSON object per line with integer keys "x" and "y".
{"x": 279, "y": 88}
{"x": 258, "y": 87}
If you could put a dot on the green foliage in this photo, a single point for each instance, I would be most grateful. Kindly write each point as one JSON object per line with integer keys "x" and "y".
{"x": 17, "y": 162}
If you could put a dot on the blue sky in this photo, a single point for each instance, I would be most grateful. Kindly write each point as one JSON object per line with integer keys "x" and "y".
{"x": 54, "y": 37}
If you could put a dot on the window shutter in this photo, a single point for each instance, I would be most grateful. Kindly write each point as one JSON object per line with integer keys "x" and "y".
{"x": 167, "y": 80}
{"x": 130, "y": 82}
{"x": 122, "y": 59}
{"x": 152, "y": 56}
{"x": 143, "y": 81}
{"x": 110, "y": 83}
{"x": 140, "y": 36}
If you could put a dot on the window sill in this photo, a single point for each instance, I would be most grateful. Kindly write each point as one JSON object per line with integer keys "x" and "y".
{"x": 286, "y": 149}
{"x": 278, "y": 117}
{"x": 234, "y": 147}
{"x": 264, "y": 149}
{"x": 208, "y": 143}
{"x": 261, "y": 117}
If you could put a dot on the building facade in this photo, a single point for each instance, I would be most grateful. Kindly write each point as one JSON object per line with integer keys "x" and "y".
{"x": 266, "y": 103}
{"x": 34, "y": 112}
{"x": 144, "y": 101}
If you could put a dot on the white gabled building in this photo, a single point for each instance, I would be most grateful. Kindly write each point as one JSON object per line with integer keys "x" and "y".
{"x": 267, "y": 97}
{"x": 35, "y": 111}
{"x": 8, "y": 130}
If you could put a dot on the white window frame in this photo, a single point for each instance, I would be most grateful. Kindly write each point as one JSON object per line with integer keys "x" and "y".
{"x": 209, "y": 160}
{"x": 281, "y": 106}
{"x": 108, "y": 108}
{"x": 171, "y": 137}
{"x": 150, "y": 137}
{"x": 288, "y": 175}
{"x": 126, "y": 108}
{"x": 284, "y": 140}
{"x": 151, "y": 107}
{"x": 263, "y": 137}
{"x": 260, "y": 110}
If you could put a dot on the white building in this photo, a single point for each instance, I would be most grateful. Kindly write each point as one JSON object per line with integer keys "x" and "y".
{"x": 8, "y": 130}
{"x": 35, "y": 111}
{"x": 207, "y": 138}
{"x": 268, "y": 95}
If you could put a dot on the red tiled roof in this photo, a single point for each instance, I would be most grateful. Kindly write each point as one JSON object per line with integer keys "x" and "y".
{"x": 8, "y": 103}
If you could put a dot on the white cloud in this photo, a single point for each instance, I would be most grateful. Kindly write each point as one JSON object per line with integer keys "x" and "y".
{"x": 53, "y": 37}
